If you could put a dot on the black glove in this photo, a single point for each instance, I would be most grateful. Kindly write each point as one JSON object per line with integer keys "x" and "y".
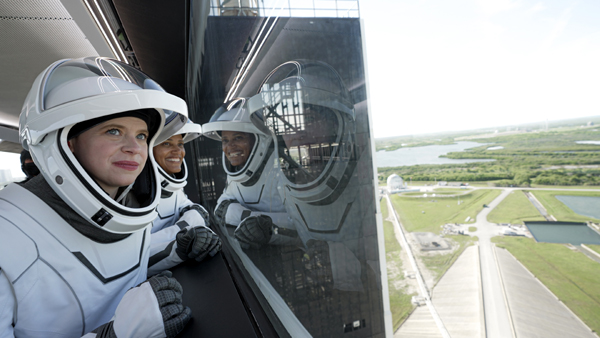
{"x": 134, "y": 319}
{"x": 196, "y": 243}
{"x": 254, "y": 231}
{"x": 221, "y": 211}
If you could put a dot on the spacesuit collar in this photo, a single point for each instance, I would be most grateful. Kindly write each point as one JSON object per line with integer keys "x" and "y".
{"x": 39, "y": 187}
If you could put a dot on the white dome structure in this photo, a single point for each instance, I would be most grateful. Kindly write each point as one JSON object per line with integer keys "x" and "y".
{"x": 395, "y": 183}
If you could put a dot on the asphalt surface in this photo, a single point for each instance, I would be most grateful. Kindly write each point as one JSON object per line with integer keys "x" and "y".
{"x": 488, "y": 293}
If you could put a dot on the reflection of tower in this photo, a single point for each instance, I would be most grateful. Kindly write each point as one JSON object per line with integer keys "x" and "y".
{"x": 237, "y": 8}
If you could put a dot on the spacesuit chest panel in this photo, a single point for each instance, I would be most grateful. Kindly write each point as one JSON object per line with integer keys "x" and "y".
{"x": 168, "y": 210}
{"x": 261, "y": 196}
{"x": 65, "y": 283}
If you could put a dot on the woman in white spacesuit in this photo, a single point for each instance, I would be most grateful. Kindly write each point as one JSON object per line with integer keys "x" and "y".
{"x": 250, "y": 202}
{"x": 180, "y": 223}
{"x": 74, "y": 245}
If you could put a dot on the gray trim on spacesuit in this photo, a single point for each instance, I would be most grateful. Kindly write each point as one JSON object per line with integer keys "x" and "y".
{"x": 81, "y": 257}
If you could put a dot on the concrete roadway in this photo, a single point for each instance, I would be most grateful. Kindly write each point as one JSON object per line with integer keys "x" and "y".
{"x": 502, "y": 287}
{"x": 497, "y": 319}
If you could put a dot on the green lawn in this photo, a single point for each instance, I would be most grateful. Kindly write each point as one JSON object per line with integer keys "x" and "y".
{"x": 472, "y": 229}
{"x": 566, "y": 186}
{"x": 559, "y": 210}
{"x": 515, "y": 208}
{"x": 428, "y": 214}
{"x": 400, "y": 304}
{"x": 570, "y": 275}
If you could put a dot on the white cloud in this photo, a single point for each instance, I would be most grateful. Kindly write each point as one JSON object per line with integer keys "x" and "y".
{"x": 538, "y": 7}
{"x": 491, "y": 7}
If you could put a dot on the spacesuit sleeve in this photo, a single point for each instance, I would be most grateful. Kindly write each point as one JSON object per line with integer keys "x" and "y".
{"x": 7, "y": 307}
{"x": 162, "y": 243}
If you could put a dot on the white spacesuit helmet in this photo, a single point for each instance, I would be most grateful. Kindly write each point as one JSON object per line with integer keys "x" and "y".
{"x": 190, "y": 131}
{"x": 73, "y": 91}
{"x": 310, "y": 113}
{"x": 235, "y": 116}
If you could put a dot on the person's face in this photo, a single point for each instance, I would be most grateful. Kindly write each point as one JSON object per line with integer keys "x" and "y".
{"x": 113, "y": 152}
{"x": 236, "y": 146}
{"x": 169, "y": 154}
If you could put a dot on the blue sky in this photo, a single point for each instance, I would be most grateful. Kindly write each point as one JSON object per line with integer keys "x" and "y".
{"x": 438, "y": 65}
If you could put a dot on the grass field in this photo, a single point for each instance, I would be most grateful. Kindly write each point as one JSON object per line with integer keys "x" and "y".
{"x": 428, "y": 214}
{"x": 570, "y": 275}
{"x": 515, "y": 208}
{"x": 566, "y": 186}
{"x": 400, "y": 304}
{"x": 559, "y": 210}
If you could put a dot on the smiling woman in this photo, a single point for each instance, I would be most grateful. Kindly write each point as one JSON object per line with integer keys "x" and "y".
{"x": 169, "y": 154}
{"x": 237, "y": 146}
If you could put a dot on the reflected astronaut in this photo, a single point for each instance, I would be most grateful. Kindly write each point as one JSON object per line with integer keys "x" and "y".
{"x": 181, "y": 230}
{"x": 250, "y": 202}
{"x": 310, "y": 113}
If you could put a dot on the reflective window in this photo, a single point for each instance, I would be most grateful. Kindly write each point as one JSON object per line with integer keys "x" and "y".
{"x": 286, "y": 161}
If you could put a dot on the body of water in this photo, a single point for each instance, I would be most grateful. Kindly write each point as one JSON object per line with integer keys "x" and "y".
{"x": 559, "y": 232}
{"x": 583, "y": 205}
{"x": 424, "y": 155}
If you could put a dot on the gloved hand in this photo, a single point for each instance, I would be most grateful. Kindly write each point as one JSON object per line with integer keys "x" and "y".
{"x": 151, "y": 309}
{"x": 221, "y": 211}
{"x": 254, "y": 231}
{"x": 197, "y": 242}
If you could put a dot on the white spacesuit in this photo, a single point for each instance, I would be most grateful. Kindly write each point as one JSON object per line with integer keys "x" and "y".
{"x": 178, "y": 215}
{"x": 308, "y": 109}
{"x": 69, "y": 252}
{"x": 250, "y": 202}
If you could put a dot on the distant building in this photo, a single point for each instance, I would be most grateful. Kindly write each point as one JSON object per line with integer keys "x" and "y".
{"x": 395, "y": 183}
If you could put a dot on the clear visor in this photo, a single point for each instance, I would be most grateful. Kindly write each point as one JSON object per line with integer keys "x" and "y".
{"x": 82, "y": 78}
{"x": 307, "y": 134}
{"x": 304, "y": 104}
{"x": 234, "y": 115}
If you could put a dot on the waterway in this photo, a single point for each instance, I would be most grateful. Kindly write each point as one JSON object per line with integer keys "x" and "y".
{"x": 424, "y": 155}
{"x": 583, "y": 205}
{"x": 558, "y": 232}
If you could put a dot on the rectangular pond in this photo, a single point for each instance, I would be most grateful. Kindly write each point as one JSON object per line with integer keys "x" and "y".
{"x": 563, "y": 232}
{"x": 584, "y": 205}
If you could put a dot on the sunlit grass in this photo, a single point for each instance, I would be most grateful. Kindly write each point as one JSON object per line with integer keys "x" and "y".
{"x": 570, "y": 275}
{"x": 428, "y": 214}
{"x": 400, "y": 304}
{"x": 515, "y": 208}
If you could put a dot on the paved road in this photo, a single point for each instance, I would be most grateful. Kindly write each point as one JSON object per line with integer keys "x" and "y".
{"x": 497, "y": 319}
{"x": 515, "y": 303}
